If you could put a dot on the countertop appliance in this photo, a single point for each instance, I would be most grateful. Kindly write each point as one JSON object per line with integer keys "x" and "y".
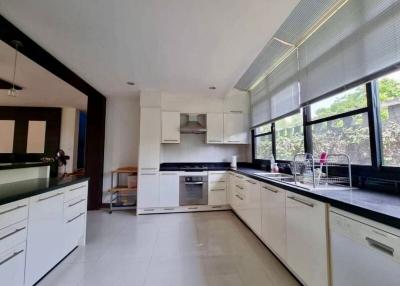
{"x": 193, "y": 188}
{"x": 364, "y": 253}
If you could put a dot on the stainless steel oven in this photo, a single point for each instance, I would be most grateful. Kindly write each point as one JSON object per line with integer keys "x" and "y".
{"x": 193, "y": 189}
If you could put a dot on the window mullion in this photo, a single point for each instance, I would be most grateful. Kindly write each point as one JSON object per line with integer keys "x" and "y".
{"x": 307, "y": 130}
{"x": 273, "y": 139}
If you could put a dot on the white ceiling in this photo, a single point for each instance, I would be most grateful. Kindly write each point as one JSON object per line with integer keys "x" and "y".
{"x": 40, "y": 87}
{"x": 181, "y": 46}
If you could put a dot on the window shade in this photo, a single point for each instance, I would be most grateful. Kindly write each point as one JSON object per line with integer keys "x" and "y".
{"x": 362, "y": 38}
{"x": 260, "y": 105}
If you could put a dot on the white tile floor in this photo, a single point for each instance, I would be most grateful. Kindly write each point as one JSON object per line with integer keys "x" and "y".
{"x": 191, "y": 249}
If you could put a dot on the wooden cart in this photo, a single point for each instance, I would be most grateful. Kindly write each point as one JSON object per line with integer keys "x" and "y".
{"x": 118, "y": 192}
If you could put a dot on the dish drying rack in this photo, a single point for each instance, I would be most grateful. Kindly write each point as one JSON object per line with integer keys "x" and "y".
{"x": 313, "y": 171}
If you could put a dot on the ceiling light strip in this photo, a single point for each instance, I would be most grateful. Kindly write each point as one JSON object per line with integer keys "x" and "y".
{"x": 314, "y": 28}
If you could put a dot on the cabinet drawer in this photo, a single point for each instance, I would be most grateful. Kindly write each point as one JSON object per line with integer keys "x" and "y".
{"x": 13, "y": 235}
{"x": 74, "y": 209}
{"x": 216, "y": 186}
{"x": 13, "y": 213}
{"x": 74, "y": 232}
{"x": 12, "y": 266}
{"x": 74, "y": 191}
{"x": 217, "y": 177}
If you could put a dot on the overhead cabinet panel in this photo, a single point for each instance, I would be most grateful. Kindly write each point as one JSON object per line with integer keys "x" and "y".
{"x": 235, "y": 128}
{"x": 150, "y": 136}
{"x": 215, "y": 128}
{"x": 171, "y": 122}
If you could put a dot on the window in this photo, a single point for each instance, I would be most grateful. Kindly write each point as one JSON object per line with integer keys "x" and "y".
{"x": 289, "y": 137}
{"x": 389, "y": 97}
{"x": 263, "y": 142}
{"x": 346, "y": 128}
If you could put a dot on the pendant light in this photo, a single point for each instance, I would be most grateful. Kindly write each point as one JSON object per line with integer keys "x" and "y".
{"x": 13, "y": 91}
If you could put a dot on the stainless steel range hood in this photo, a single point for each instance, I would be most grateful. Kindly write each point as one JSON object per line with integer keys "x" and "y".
{"x": 193, "y": 126}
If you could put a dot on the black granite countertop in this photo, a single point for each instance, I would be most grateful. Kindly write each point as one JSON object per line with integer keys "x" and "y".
{"x": 20, "y": 165}
{"x": 12, "y": 192}
{"x": 378, "y": 206}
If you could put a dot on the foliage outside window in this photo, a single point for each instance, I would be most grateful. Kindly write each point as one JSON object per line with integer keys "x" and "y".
{"x": 348, "y": 135}
{"x": 349, "y": 100}
{"x": 263, "y": 142}
{"x": 389, "y": 97}
{"x": 289, "y": 137}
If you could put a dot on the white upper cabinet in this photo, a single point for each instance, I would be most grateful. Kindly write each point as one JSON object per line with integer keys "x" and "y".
{"x": 237, "y": 101}
{"x": 236, "y": 128}
{"x": 171, "y": 123}
{"x": 215, "y": 128}
{"x": 150, "y": 137}
{"x": 307, "y": 241}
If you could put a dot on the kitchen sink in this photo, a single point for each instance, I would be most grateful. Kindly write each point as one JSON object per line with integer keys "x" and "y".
{"x": 273, "y": 175}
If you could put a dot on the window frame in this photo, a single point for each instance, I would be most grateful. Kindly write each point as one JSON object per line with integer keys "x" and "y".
{"x": 253, "y": 143}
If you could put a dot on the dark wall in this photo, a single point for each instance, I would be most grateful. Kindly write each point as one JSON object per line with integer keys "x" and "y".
{"x": 21, "y": 116}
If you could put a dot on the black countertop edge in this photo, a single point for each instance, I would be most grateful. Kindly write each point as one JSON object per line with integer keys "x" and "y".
{"x": 377, "y": 210}
{"x": 12, "y": 192}
{"x": 211, "y": 166}
{"x": 20, "y": 165}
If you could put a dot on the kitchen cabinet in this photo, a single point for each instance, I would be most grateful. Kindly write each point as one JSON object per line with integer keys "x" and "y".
{"x": 217, "y": 188}
{"x": 150, "y": 136}
{"x": 12, "y": 266}
{"x": 273, "y": 209}
{"x": 239, "y": 195}
{"x": 230, "y": 187}
{"x": 307, "y": 247}
{"x": 169, "y": 189}
{"x": 252, "y": 205}
{"x": 45, "y": 234}
{"x": 149, "y": 189}
{"x": 170, "y": 130}
{"x": 215, "y": 128}
{"x": 236, "y": 128}
{"x": 237, "y": 101}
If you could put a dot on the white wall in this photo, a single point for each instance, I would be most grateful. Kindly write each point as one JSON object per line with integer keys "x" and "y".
{"x": 69, "y": 137}
{"x": 122, "y": 135}
{"x": 193, "y": 149}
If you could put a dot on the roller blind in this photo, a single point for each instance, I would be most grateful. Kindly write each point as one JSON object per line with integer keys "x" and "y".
{"x": 260, "y": 105}
{"x": 362, "y": 38}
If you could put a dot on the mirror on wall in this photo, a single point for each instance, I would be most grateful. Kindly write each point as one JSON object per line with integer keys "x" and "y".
{"x": 40, "y": 114}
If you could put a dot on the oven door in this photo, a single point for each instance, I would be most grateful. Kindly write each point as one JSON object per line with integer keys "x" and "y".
{"x": 193, "y": 190}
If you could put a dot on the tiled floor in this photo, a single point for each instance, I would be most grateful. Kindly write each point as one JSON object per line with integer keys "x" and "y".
{"x": 192, "y": 249}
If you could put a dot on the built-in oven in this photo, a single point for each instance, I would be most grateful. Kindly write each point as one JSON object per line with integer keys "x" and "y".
{"x": 193, "y": 188}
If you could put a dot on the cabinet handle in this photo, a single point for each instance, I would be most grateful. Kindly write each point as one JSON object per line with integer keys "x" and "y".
{"x": 301, "y": 201}
{"x": 212, "y": 190}
{"x": 148, "y": 210}
{"x": 216, "y": 207}
{"x": 239, "y": 177}
{"x": 271, "y": 190}
{"x": 215, "y": 141}
{"x": 239, "y": 197}
{"x": 380, "y": 246}
{"x": 169, "y": 209}
{"x": 192, "y": 208}
{"x": 236, "y": 111}
{"x": 194, "y": 183}
{"x": 149, "y": 174}
{"x": 53, "y": 196}
{"x": 169, "y": 174}
{"x": 11, "y": 257}
{"x": 170, "y": 140}
{"x": 239, "y": 187}
{"x": 12, "y": 233}
{"x": 148, "y": 169}
{"x": 13, "y": 209}
{"x": 72, "y": 219}
{"x": 234, "y": 141}
{"x": 74, "y": 189}
{"x": 78, "y": 202}
{"x": 251, "y": 182}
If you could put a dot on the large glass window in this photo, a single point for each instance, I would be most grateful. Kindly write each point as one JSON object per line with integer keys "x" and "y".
{"x": 346, "y": 134}
{"x": 389, "y": 97}
{"x": 263, "y": 142}
{"x": 289, "y": 137}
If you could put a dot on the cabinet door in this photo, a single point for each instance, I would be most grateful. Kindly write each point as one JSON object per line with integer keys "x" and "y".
{"x": 45, "y": 234}
{"x": 12, "y": 266}
{"x": 169, "y": 189}
{"x": 230, "y": 188}
{"x": 252, "y": 208}
{"x": 216, "y": 193}
{"x": 150, "y": 136}
{"x": 235, "y": 128}
{"x": 171, "y": 123}
{"x": 240, "y": 196}
{"x": 149, "y": 190}
{"x": 273, "y": 228}
{"x": 306, "y": 228}
{"x": 215, "y": 128}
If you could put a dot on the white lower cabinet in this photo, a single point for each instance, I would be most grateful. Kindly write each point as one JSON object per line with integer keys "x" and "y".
{"x": 230, "y": 188}
{"x": 12, "y": 266}
{"x": 252, "y": 205}
{"x": 169, "y": 189}
{"x": 273, "y": 209}
{"x": 217, "y": 185}
{"x": 239, "y": 196}
{"x": 149, "y": 190}
{"x": 307, "y": 240}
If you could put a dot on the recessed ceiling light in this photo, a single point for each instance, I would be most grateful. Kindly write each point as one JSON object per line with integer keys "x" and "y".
{"x": 212, "y": 88}
{"x": 130, "y": 83}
